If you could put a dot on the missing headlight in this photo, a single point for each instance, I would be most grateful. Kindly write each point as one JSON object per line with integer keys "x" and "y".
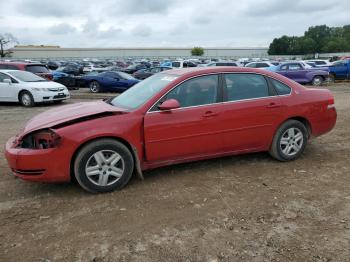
{"x": 42, "y": 139}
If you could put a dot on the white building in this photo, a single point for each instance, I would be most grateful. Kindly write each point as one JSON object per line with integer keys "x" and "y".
{"x": 37, "y": 52}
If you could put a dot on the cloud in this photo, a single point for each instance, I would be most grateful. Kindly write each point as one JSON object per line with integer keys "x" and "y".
{"x": 142, "y": 30}
{"x": 145, "y": 6}
{"x": 215, "y": 23}
{"x": 40, "y": 8}
{"x": 276, "y": 7}
{"x": 61, "y": 29}
{"x": 201, "y": 20}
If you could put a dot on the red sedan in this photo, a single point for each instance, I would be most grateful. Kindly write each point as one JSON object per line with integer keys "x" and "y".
{"x": 172, "y": 117}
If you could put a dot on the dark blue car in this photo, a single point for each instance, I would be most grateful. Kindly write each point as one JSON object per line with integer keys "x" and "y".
{"x": 109, "y": 81}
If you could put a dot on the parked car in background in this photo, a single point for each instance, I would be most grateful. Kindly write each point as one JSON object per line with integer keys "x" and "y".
{"x": 223, "y": 64}
{"x": 52, "y": 65}
{"x": 108, "y": 81}
{"x": 340, "y": 70}
{"x": 263, "y": 65}
{"x": 133, "y": 68}
{"x": 320, "y": 62}
{"x": 67, "y": 80}
{"x": 36, "y": 68}
{"x": 28, "y": 88}
{"x": 302, "y": 73}
{"x": 167, "y": 119}
{"x": 70, "y": 70}
{"x": 145, "y": 73}
{"x": 179, "y": 64}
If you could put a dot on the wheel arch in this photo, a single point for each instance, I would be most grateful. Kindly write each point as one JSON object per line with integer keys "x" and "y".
{"x": 21, "y": 91}
{"x": 131, "y": 148}
{"x": 301, "y": 119}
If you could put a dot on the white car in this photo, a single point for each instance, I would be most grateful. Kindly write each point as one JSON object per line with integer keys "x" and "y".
{"x": 262, "y": 65}
{"x": 320, "y": 62}
{"x": 28, "y": 88}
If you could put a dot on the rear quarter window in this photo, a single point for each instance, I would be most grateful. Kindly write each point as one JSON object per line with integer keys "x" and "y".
{"x": 280, "y": 88}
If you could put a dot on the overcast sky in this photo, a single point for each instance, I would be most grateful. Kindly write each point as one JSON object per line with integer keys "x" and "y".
{"x": 157, "y": 23}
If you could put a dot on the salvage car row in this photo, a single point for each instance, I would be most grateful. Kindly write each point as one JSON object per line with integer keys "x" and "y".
{"x": 30, "y": 83}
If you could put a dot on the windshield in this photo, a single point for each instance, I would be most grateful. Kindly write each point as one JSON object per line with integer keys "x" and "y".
{"x": 25, "y": 76}
{"x": 126, "y": 76}
{"x": 143, "y": 91}
{"x": 37, "y": 69}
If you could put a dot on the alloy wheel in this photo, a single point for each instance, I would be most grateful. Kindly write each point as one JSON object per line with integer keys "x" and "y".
{"x": 104, "y": 168}
{"x": 291, "y": 141}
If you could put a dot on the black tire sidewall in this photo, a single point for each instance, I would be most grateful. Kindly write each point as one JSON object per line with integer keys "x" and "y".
{"x": 317, "y": 77}
{"x": 92, "y": 148}
{"x": 21, "y": 98}
{"x": 98, "y": 86}
{"x": 281, "y": 131}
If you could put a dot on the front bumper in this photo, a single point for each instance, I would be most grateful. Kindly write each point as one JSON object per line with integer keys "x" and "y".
{"x": 49, "y": 96}
{"x": 40, "y": 165}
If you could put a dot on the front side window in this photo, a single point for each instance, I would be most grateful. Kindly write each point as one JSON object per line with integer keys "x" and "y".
{"x": 3, "y": 77}
{"x": 245, "y": 86}
{"x": 201, "y": 90}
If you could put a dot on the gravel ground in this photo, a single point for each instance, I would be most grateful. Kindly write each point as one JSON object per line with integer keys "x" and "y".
{"x": 242, "y": 208}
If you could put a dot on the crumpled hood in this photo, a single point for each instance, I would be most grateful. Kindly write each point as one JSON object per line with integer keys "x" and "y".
{"x": 60, "y": 115}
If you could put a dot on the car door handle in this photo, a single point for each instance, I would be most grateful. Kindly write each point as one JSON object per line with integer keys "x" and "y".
{"x": 210, "y": 114}
{"x": 273, "y": 105}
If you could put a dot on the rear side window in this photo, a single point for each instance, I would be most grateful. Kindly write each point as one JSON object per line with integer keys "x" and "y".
{"x": 245, "y": 86}
{"x": 3, "y": 66}
{"x": 280, "y": 88}
{"x": 176, "y": 64}
{"x": 12, "y": 67}
{"x": 37, "y": 69}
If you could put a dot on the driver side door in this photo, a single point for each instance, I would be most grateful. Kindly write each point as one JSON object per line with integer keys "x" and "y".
{"x": 191, "y": 130}
{"x": 7, "y": 91}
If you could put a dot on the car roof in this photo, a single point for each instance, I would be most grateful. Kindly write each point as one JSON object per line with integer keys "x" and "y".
{"x": 20, "y": 63}
{"x": 9, "y": 70}
{"x": 193, "y": 71}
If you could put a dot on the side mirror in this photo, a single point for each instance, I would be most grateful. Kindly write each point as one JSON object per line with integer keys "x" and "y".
{"x": 7, "y": 80}
{"x": 169, "y": 105}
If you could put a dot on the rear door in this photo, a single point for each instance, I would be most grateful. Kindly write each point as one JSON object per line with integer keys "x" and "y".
{"x": 192, "y": 129}
{"x": 252, "y": 112}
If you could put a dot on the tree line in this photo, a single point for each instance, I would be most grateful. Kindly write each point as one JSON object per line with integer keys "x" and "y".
{"x": 317, "y": 39}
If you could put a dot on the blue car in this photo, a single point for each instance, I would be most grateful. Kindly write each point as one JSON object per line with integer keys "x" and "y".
{"x": 109, "y": 81}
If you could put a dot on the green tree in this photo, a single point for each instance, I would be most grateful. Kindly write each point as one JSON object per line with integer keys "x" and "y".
{"x": 316, "y": 39}
{"x": 197, "y": 51}
{"x": 336, "y": 45}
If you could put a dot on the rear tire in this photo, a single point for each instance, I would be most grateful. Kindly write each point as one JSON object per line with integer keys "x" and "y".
{"x": 94, "y": 87}
{"x": 289, "y": 141}
{"x": 103, "y": 165}
{"x": 26, "y": 99}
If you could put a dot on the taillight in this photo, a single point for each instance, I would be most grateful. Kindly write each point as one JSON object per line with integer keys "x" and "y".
{"x": 330, "y": 102}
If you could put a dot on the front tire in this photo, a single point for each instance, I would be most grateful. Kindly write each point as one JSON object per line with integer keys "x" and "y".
{"x": 103, "y": 165}
{"x": 26, "y": 99}
{"x": 94, "y": 87}
{"x": 289, "y": 141}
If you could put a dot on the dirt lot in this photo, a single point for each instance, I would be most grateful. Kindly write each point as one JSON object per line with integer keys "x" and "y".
{"x": 245, "y": 208}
